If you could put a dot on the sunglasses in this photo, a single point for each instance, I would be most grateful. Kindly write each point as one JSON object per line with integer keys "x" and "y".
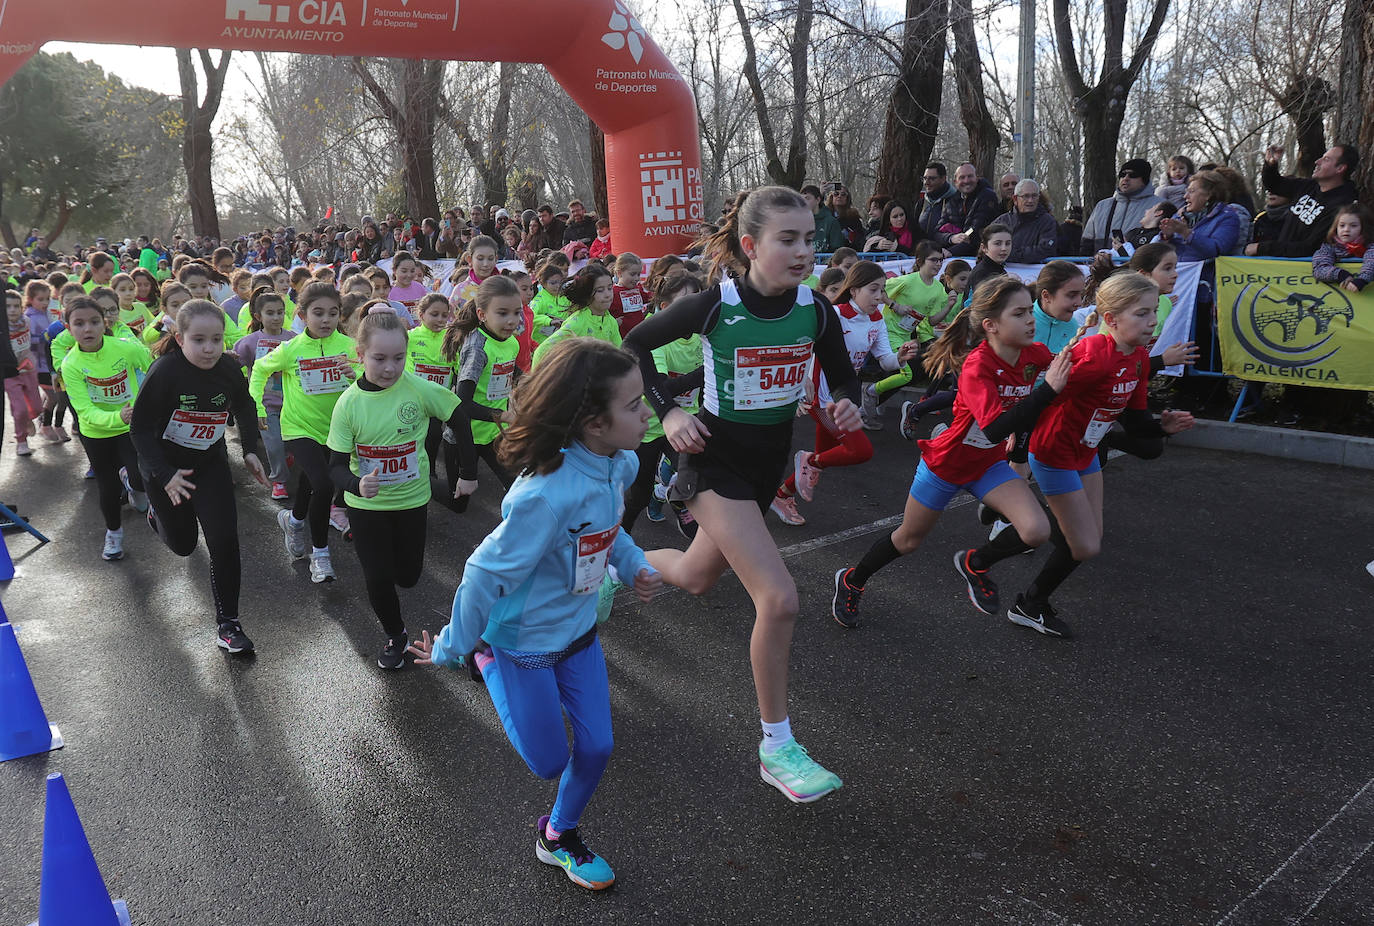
{"x": 1128, "y": 173}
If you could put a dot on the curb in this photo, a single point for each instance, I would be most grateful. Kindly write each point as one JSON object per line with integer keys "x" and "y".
{"x": 1286, "y": 443}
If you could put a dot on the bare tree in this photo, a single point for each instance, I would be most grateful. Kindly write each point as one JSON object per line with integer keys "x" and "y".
{"x": 198, "y": 145}
{"x": 793, "y": 172}
{"x": 596, "y": 139}
{"x": 983, "y": 139}
{"x": 722, "y": 109}
{"x": 491, "y": 156}
{"x": 1101, "y": 108}
{"x": 1355, "y": 101}
{"x": 412, "y": 108}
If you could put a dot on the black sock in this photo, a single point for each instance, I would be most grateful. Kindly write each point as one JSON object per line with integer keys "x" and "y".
{"x": 1004, "y": 546}
{"x": 1056, "y": 569}
{"x": 878, "y": 556}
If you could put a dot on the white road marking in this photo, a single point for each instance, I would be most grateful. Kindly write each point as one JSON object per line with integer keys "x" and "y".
{"x": 1301, "y": 883}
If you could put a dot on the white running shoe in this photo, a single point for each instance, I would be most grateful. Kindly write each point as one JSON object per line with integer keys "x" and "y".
{"x": 114, "y": 545}
{"x": 293, "y": 535}
{"x": 321, "y": 568}
{"x": 806, "y": 475}
{"x": 338, "y": 519}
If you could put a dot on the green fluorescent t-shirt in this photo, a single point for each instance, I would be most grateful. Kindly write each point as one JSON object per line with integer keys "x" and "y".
{"x": 384, "y": 430}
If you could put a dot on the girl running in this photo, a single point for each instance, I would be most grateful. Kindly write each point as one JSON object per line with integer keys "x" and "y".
{"x": 758, "y": 333}
{"x": 997, "y": 398}
{"x": 425, "y": 357}
{"x": 1059, "y": 294}
{"x": 267, "y": 331}
{"x": 376, "y": 439}
{"x": 101, "y": 376}
{"x": 408, "y": 290}
{"x": 1110, "y": 380}
{"x": 992, "y": 257}
{"x": 629, "y": 301}
{"x": 177, "y": 427}
{"x": 916, "y": 302}
{"x": 481, "y": 345}
{"x": 548, "y": 306}
{"x": 132, "y": 312}
{"x": 525, "y": 359}
{"x": 865, "y": 335}
{"x": 481, "y": 266}
{"x": 315, "y": 369}
{"x": 527, "y": 602}
{"x": 37, "y": 299}
{"x": 26, "y": 403}
{"x": 589, "y": 293}
{"x": 954, "y": 278}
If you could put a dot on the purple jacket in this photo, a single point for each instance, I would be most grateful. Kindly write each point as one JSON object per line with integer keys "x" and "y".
{"x": 1328, "y": 255}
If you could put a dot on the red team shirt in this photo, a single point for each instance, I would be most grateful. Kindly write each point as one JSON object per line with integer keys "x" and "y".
{"x": 987, "y": 387}
{"x": 1103, "y": 383}
{"x": 628, "y": 307}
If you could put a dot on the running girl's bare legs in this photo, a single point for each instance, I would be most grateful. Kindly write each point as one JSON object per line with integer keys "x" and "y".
{"x": 1080, "y": 517}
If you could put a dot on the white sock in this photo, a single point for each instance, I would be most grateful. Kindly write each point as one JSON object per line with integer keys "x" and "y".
{"x": 319, "y": 551}
{"x": 776, "y": 735}
{"x": 118, "y": 535}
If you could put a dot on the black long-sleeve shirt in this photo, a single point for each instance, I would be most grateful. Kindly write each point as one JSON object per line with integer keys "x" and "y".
{"x": 175, "y": 384}
{"x": 697, "y": 314}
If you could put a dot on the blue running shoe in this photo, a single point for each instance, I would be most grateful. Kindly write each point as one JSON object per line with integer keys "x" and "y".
{"x": 657, "y": 497}
{"x": 582, "y": 865}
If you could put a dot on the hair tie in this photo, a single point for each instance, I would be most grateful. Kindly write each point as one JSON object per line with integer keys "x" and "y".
{"x": 382, "y": 310}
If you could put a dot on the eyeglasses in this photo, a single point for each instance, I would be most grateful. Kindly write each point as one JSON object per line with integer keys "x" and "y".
{"x": 931, "y": 178}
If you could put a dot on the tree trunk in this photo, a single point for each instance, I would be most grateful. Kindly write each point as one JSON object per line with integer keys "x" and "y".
{"x": 913, "y": 110}
{"x": 1306, "y": 101}
{"x": 600, "y": 193}
{"x": 1101, "y": 108}
{"x": 983, "y": 138}
{"x": 792, "y": 173}
{"x": 1349, "y": 113}
{"x": 7, "y": 234}
{"x": 1364, "y": 177}
{"x": 413, "y": 116}
{"x": 528, "y": 183}
{"x": 64, "y": 215}
{"x": 198, "y": 144}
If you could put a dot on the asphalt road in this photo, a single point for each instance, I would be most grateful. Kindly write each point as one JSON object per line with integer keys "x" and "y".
{"x": 1201, "y": 753}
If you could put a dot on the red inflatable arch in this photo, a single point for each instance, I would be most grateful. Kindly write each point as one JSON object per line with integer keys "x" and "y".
{"x": 596, "y": 49}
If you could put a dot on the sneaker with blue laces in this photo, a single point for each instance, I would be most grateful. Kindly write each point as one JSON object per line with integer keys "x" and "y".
{"x": 569, "y": 852}
{"x": 800, "y": 778}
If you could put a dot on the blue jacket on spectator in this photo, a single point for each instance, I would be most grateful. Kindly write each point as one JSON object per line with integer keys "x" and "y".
{"x": 1214, "y": 235}
{"x": 933, "y": 209}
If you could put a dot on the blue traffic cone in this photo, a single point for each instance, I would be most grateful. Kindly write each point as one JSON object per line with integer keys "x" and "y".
{"x": 24, "y": 728}
{"x": 72, "y": 891}
{"x": 6, "y": 564}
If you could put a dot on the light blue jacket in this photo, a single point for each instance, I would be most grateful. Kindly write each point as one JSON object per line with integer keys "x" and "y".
{"x": 1050, "y": 331}
{"x": 517, "y": 589}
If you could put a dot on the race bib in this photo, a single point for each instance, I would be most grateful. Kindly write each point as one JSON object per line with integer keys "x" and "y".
{"x": 195, "y": 430}
{"x": 976, "y": 438}
{"x": 908, "y": 322}
{"x": 592, "y": 551}
{"x": 137, "y": 323}
{"x": 393, "y": 464}
{"x": 498, "y": 384}
{"x": 265, "y": 347}
{"x": 321, "y": 375}
{"x": 766, "y": 377}
{"x": 113, "y": 390}
{"x": 686, "y": 399}
{"x": 1099, "y": 425}
{"x": 19, "y": 342}
{"x": 434, "y": 372}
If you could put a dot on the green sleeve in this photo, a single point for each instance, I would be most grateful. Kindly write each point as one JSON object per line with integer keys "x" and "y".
{"x": 263, "y": 368}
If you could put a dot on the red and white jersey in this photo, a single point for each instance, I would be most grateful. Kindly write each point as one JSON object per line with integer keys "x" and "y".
{"x": 1103, "y": 383}
{"x": 864, "y": 334}
{"x": 988, "y": 386}
{"x": 629, "y": 307}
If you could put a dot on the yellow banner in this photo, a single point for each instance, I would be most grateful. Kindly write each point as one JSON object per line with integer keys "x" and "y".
{"x": 1277, "y": 324}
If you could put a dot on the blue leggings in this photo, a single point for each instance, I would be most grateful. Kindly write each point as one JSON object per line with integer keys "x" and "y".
{"x": 530, "y": 703}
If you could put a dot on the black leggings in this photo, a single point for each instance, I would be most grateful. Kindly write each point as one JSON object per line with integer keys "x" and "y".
{"x": 315, "y": 491}
{"x": 641, "y": 490}
{"x": 391, "y": 550}
{"x": 107, "y": 455}
{"x": 212, "y": 505}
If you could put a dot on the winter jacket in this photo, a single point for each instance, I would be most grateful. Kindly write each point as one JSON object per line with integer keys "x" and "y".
{"x": 1033, "y": 237}
{"x": 1117, "y": 211}
{"x": 829, "y": 235}
{"x": 1329, "y": 254}
{"x": 1214, "y": 235}
{"x": 1173, "y": 193}
{"x": 1309, "y": 213}
{"x": 971, "y": 213}
{"x": 934, "y": 209}
{"x": 1268, "y": 225}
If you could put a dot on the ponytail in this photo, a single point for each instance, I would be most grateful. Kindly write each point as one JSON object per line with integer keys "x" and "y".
{"x": 722, "y": 249}
{"x": 966, "y": 331}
